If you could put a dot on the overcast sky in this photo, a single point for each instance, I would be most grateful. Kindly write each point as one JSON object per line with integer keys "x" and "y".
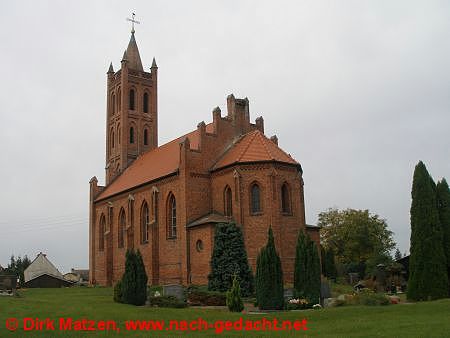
{"x": 357, "y": 91}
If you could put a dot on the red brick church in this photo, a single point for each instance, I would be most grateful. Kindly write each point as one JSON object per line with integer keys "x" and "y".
{"x": 165, "y": 200}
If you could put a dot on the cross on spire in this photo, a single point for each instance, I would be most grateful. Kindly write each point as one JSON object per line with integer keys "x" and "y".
{"x": 133, "y": 22}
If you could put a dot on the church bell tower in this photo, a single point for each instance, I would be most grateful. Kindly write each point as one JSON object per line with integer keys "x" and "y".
{"x": 132, "y": 111}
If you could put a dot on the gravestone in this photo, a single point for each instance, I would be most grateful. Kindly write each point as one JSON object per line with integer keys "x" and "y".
{"x": 175, "y": 290}
{"x": 288, "y": 293}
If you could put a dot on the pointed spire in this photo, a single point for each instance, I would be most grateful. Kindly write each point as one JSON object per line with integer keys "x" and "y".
{"x": 154, "y": 63}
{"x": 124, "y": 57}
{"x": 111, "y": 69}
{"x": 132, "y": 54}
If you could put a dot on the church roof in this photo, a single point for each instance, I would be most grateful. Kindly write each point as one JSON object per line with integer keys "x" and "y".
{"x": 154, "y": 164}
{"x": 253, "y": 147}
{"x": 132, "y": 55}
{"x": 165, "y": 160}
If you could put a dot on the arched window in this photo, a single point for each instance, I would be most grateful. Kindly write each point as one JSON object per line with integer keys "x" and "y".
{"x": 145, "y": 221}
{"x": 228, "y": 202}
{"x": 121, "y": 229}
{"x": 131, "y": 135}
{"x": 145, "y": 103}
{"x": 101, "y": 233}
{"x": 145, "y": 137}
{"x": 118, "y": 134}
{"x": 285, "y": 199}
{"x": 171, "y": 217}
{"x": 132, "y": 99}
{"x": 255, "y": 198}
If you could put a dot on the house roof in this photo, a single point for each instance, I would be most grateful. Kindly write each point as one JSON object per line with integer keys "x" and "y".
{"x": 41, "y": 266}
{"x": 50, "y": 275}
{"x": 165, "y": 160}
{"x": 253, "y": 147}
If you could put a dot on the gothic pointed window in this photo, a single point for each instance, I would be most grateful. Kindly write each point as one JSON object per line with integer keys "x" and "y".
{"x": 255, "y": 198}
{"x": 132, "y": 99}
{"x": 145, "y": 102}
{"x": 145, "y": 137}
{"x": 145, "y": 223}
{"x": 285, "y": 199}
{"x": 101, "y": 233}
{"x": 228, "y": 201}
{"x": 171, "y": 217}
{"x": 121, "y": 229}
{"x": 131, "y": 135}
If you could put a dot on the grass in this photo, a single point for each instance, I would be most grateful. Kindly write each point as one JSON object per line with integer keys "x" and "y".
{"x": 426, "y": 319}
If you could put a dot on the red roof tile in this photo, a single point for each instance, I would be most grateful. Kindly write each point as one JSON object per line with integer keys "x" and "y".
{"x": 165, "y": 159}
{"x": 151, "y": 165}
{"x": 253, "y": 147}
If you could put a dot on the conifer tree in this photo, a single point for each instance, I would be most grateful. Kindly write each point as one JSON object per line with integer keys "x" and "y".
{"x": 301, "y": 257}
{"x": 330, "y": 263}
{"x": 134, "y": 280}
{"x": 269, "y": 277}
{"x": 427, "y": 264}
{"x": 443, "y": 199}
{"x": 229, "y": 258}
{"x": 307, "y": 269}
{"x": 234, "y": 300}
{"x": 141, "y": 279}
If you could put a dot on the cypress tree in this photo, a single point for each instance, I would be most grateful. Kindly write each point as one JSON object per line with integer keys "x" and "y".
{"x": 427, "y": 264}
{"x": 229, "y": 258}
{"x": 312, "y": 289}
{"x": 307, "y": 269}
{"x": 443, "y": 199}
{"x": 129, "y": 278}
{"x": 134, "y": 280}
{"x": 331, "y": 264}
{"x": 328, "y": 262}
{"x": 269, "y": 277}
{"x": 300, "y": 267}
{"x": 141, "y": 280}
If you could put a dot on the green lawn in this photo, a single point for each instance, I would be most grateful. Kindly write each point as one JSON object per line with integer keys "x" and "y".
{"x": 428, "y": 319}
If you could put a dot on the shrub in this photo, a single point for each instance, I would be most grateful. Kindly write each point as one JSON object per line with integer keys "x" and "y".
{"x": 153, "y": 290}
{"x": 118, "y": 292}
{"x": 234, "y": 300}
{"x": 167, "y": 301}
{"x": 197, "y": 295}
{"x": 368, "y": 297}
